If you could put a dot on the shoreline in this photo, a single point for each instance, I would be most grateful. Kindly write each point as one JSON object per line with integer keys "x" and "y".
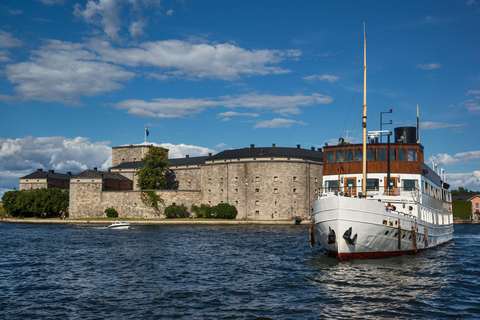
{"x": 153, "y": 222}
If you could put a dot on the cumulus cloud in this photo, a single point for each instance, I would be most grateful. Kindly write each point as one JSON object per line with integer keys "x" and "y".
{"x": 52, "y": 2}
{"x": 19, "y": 157}
{"x": 429, "y": 66}
{"x": 426, "y": 125}
{"x": 183, "y": 59}
{"x": 174, "y": 108}
{"x": 63, "y": 71}
{"x": 221, "y": 145}
{"x": 7, "y": 41}
{"x": 238, "y": 114}
{"x": 469, "y": 180}
{"x": 321, "y": 77}
{"x": 473, "y": 92}
{"x": 444, "y": 159}
{"x": 181, "y": 150}
{"x": 278, "y": 123}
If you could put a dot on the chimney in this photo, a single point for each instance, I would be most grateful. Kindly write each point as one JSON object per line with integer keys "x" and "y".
{"x": 95, "y": 168}
{"x": 273, "y": 145}
{"x": 313, "y": 148}
{"x": 252, "y": 146}
{"x": 298, "y": 146}
{"x": 69, "y": 173}
{"x": 209, "y": 154}
{"x": 187, "y": 156}
{"x": 51, "y": 171}
{"x": 39, "y": 170}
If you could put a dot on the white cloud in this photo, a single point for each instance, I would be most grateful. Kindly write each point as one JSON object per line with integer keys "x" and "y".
{"x": 169, "y": 12}
{"x": 226, "y": 119}
{"x": 429, "y": 66}
{"x": 278, "y": 123}
{"x": 7, "y": 41}
{"x": 221, "y": 145}
{"x": 469, "y": 180}
{"x": 426, "y": 125}
{"x": 182, "y": 59}
{"x": 181, "y": 150}
{"x": 104, "y": 13}
{"x": 444, "y": 159}
{"x": 321, "y": 77}
{"x": 174, "y": 108}
{"x": 62, "y": 71}
{"x": 238, "y": 114}
{"x": 52, "y": 2}
{"x": 473, "y": 107}
{"x": 19, "y": 157}
{"x": 474, "y": 92}
{"x": 136, "y": 29}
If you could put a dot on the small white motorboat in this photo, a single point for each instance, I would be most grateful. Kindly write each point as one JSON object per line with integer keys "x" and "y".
{"x": 119, "y": 225}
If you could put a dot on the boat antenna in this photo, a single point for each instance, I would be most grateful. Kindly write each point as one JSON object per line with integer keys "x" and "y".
{"x": 364, "y": 122}
{"x": 418, "y": 126}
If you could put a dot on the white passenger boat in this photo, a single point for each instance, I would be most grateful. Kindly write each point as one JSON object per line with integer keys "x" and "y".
{"x": 381, "y": 199}
{"x": 119, "y": 225}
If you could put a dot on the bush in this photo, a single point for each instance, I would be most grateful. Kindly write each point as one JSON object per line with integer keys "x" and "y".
{"x": 225, "y": 211}
{"x": 111, "y": 213}
{"x": 203, "y": 211}
{"x": 176, "y": 211}
{"x": 462, "y": 209}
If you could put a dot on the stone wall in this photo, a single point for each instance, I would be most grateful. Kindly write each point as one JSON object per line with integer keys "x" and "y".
{"x": 87, "y": 200}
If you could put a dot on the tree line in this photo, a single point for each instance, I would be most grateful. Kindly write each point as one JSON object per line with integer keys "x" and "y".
{"x": 38, "y": 203}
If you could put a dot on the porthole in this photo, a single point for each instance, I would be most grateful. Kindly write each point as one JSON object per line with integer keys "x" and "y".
{"x": 386, "y": 232}
{"x": 396, "y": 233}
{"x": 403, "y": 237}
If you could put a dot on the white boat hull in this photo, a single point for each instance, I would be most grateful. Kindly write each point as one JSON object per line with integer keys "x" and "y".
{"x": 119, "y": 226}
{"x": 375, "y": 232}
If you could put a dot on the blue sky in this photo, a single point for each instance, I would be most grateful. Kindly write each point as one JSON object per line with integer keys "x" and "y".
{"x": 80, "y": 77}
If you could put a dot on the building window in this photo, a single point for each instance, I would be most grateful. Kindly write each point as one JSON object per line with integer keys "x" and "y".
{"x": 316, "y": 180}
{"x": 276, "y": 202}
{"x": 221, "y": 179}
{"x": 295, "y": 190}
{"x": 257, "y": 202}
{"x": 275, "y": 178}
{"x": 294, "y": 178}
{"x": 275, "y": 190}
{"x": 294, "y": 203}
{"x": 257, "y": 178}
{"x": 221, "y": 190}
{"x": 209, "y": 179}
{"x": 257, "y": 190}
{"x": 330, "y": 157}
{"x": 236, "y": 190}
{"x": 257, "y": 212}
{"x": 209, "y": 191}
{"x": 236, "y": 178}
{"x": 236, "y": 202}
{"x": 276, "y": 212}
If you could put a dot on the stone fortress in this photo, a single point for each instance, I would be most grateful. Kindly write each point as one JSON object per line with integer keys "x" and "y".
{"x": 263, "y": 183}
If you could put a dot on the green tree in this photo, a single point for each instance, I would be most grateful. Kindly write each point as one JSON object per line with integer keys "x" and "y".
{"x": 152, "y": 175}
{"x": 462, "y": 209}
{"x": 463, "y": 192}
{"x": 41, "y": 203}
{"x": 176, "y": 211}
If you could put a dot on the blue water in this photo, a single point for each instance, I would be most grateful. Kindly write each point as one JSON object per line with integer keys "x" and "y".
{"x": 225, "y": 272}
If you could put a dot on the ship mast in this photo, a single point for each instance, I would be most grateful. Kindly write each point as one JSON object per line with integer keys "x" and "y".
{"x": 364, "y": 168}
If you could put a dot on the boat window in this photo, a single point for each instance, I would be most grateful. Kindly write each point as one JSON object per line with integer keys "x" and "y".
{"x": 382, "y": 155}
{"x": 370, "y": 154}
{"x": 372, "y": 184}
{"x": 392, "y": 155}
{"x": 358, "y": 155}
{"x": 402, "y": 155}
{"x": 339, "y": 156}
{"x": 348, "y": 155}
{"x": 330, "y": 157}
{"x": 409, "y": 185}
{"x": 331, "y": 185}
{"x": 412, "y": 155}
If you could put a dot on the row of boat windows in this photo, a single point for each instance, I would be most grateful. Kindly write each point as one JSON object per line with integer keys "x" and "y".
{"x": 374, "y": 184}
{"x": 435, "y": 218}
{"x": 436, "y": 193}
{"x": 372, "y": 155}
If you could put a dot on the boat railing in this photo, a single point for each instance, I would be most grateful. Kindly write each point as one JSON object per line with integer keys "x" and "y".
{"x": 371, "y": 192}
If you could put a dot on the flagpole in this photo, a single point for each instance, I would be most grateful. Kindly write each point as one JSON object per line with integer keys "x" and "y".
{"x": 145, "y": 131}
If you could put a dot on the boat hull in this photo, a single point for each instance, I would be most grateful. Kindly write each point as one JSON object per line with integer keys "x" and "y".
{"x": 353, "y": 228}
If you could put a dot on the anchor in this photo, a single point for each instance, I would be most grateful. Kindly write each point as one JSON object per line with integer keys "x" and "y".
{"x": 331, "y": 236}
{"x": 348, "y": 236}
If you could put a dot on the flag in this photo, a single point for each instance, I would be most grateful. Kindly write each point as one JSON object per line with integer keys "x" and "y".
{"x": 146, "y": 131}
{"x": 340, "y": 168}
